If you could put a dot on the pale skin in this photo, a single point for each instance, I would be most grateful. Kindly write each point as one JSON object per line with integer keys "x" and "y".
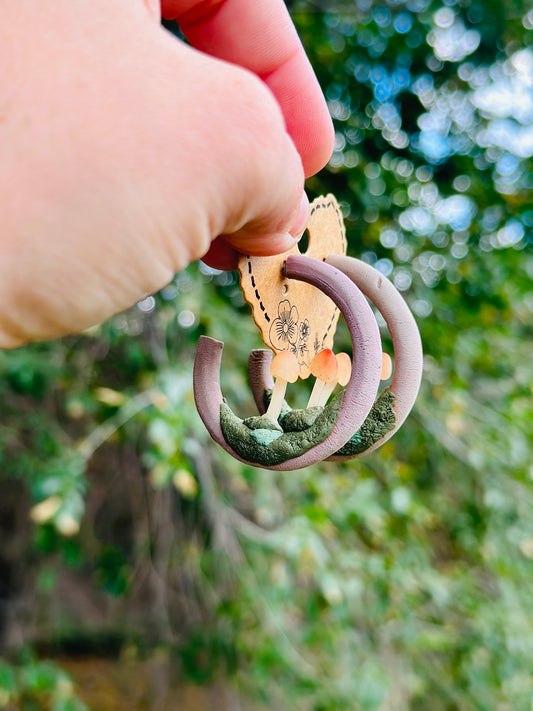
{"x": 126, "y": 154}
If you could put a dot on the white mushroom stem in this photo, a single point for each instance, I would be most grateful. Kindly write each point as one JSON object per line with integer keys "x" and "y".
{"x": 316, "y": 393}
{"x": 276, "y": 400}
{"x": 326, "y": 392}
{"x": 324, "y": 367}
{"x": 284, "y": 369}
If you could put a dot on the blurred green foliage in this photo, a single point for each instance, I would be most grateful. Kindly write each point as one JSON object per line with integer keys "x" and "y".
{"x": 36, "y": 686}
{"x": 400, "y": 581}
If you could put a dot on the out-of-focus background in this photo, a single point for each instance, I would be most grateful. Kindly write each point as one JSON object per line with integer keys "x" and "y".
{"x": 142, "y": 568}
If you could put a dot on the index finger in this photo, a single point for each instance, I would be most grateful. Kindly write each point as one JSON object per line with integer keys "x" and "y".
{"x": 260, "y": 36}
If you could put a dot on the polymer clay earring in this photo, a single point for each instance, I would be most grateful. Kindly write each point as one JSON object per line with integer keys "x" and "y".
{"x": 296, "y": 301}
{"x": 395, "y": 402}
{"x": 320, "y": 437}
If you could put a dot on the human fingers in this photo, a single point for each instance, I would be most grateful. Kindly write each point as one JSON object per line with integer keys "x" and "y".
{"x": 144, "y": 150}
{"x": 225, "y": 250}
{"x": 259, "y": 35}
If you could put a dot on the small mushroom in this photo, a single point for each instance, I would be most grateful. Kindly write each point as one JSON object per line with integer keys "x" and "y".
{"x": 344, "y": 371}
{"x": 324, "y": 368}
{"x": 304, "y": 371}
{"x": 284, "y": 369}
{"x": 386, "y": 366}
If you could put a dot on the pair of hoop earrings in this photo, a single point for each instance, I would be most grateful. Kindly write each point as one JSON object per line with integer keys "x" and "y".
{"x": 356, "y": 421}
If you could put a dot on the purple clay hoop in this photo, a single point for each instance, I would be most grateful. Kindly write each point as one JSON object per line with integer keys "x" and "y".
{"x": 259, "y": 376}
{"x": 360, "y": 392}
{"x": 408, "y": 355}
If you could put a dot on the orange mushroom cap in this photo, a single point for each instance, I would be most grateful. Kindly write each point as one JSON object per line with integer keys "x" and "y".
{"x": 284, "y": 365}
{"x": 386, "y": 366}
{"x": 344, "y": 368}
{"x": 324, "y": 366}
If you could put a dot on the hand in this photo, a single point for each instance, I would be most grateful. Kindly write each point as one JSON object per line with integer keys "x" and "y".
{"x": 126, "y": 152}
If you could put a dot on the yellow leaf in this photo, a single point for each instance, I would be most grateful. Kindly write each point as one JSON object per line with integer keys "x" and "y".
{"x": 67, "y": 525}
{"x": 45, "y": 510}
{"x": 185, "y": 483}
{"x": 109, "y": 397}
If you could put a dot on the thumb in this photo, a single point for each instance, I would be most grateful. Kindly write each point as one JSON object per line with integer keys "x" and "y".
{"x": 222, "y": 255}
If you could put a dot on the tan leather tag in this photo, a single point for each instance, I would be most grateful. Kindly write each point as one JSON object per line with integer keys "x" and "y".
{"x": 293, "y": 315}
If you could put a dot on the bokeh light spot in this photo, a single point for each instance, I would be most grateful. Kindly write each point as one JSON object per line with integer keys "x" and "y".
{"x": 186, "y": 318}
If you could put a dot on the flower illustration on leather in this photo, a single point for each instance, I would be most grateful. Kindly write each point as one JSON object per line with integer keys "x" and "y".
{"x": 284, "y": 330}
{"x": 302, "y": 349}
{"x": 304, "y": 330}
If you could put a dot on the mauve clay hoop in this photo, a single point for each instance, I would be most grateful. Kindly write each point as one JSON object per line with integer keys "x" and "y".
{"x": 408, "y": 355}
{"x": 259, "y": 375}
{"x": 360, "y": 392}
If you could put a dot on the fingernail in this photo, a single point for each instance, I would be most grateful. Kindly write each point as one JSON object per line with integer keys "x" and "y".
{"x": 303, "y": 216}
